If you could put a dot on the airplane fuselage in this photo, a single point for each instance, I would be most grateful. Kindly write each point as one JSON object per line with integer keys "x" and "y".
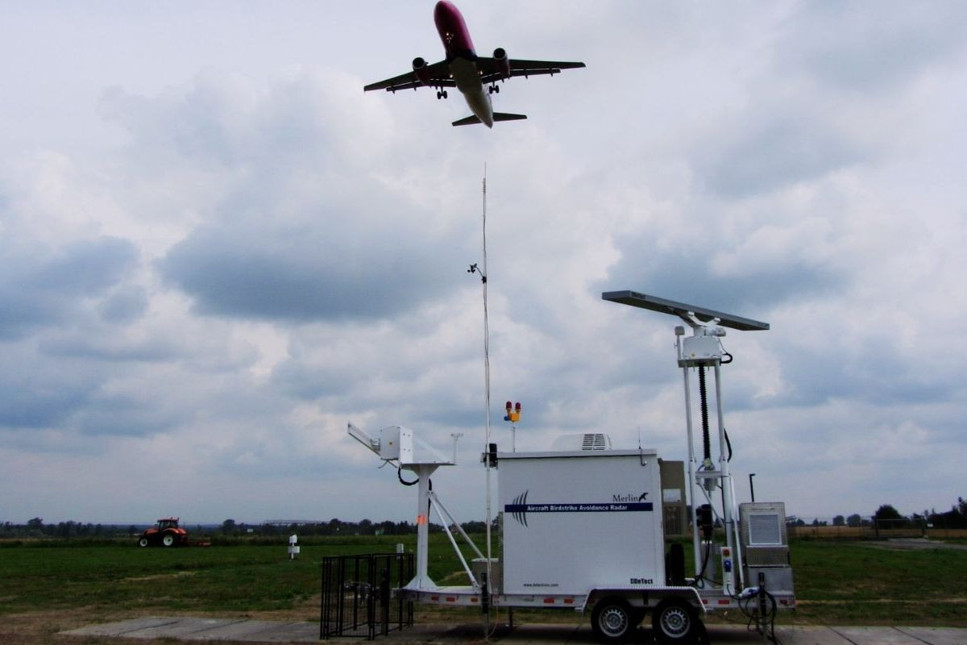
{"x": 462, "y": 60}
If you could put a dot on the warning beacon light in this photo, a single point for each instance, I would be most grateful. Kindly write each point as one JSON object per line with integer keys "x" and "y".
{"x": 513, "y": 412}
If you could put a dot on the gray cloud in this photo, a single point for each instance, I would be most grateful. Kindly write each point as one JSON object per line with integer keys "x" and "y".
{"x": 751, "y": 288}
{"x": 773, "y": 152}
{"x": 108, "y": 348}
{"x": 291, "y": 234}
{"x": 41, "y": 287}
{"x": 856, "y": 46}
{"x": 125, "y": 305}
{"x": 34, "y": 401}
{"x": 308, "y": 276}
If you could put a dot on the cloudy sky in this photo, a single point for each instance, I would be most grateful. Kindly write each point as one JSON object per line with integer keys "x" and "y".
{"x": 216, "y": 249}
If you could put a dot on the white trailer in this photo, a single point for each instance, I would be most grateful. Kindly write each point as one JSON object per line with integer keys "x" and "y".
{"x": 581, "y": 527}
{"x": 587, "y": 526}
{"x": 574, "y": 522}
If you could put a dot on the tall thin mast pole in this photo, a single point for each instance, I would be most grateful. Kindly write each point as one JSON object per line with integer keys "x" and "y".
{"x": 487, "y": 392}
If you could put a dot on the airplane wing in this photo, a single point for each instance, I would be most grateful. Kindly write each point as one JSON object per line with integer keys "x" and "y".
{"x": 438, "y": 75}
{"x": 490, "y": 68}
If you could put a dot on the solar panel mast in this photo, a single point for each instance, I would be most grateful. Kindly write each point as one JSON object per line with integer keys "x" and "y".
{"x": 696, "y": 353}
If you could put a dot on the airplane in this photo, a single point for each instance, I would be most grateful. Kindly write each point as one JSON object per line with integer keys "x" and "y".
{"x": 466, "y": 71}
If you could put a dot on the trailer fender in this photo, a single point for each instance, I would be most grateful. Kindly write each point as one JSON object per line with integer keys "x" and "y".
{"x": 645, "y": 599}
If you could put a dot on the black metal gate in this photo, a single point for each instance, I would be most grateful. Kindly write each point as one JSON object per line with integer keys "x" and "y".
{"x": 361, "y": 594}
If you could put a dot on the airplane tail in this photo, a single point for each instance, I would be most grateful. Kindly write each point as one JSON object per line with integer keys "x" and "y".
{"x": 498, "y": 116}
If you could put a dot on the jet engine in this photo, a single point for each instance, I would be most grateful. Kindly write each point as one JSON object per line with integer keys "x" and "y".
{"x": 503, "y": 63}
{"x": 419, "y": 68}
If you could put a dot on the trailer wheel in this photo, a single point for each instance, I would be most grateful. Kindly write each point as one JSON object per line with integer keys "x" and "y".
{"x": 143, "y": 542}
{"x": 612, "y": 620}
{"x": 675, "y": 622}
{"x": 168, "y": 539}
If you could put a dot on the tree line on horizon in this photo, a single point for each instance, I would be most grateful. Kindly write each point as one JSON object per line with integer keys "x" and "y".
{"x": 887, "y": 514}
{"x": 36, "y": 528}
{"x": 955, "y": 518}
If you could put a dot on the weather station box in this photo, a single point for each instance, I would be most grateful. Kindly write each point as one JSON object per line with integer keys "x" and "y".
{"x": 399, "y": 443}
{"x": 581, "y": 520}
{"x": 701, "y": 348}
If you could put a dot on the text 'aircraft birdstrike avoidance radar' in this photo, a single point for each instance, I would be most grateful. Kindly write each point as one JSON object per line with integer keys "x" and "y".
{"x": 466, "y": 71}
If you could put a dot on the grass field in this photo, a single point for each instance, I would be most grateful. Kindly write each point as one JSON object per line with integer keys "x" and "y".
{"x": 47, "y": 587}
{"x": 869, "y": 583}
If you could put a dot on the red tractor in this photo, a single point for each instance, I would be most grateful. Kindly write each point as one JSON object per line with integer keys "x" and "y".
{"x": 165, "y": 533}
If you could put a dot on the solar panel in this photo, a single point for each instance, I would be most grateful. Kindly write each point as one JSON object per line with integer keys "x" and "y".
{"x": 680, "y": 309}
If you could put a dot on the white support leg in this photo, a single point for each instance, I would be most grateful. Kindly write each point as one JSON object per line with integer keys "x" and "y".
{"x": 422, "y": 580}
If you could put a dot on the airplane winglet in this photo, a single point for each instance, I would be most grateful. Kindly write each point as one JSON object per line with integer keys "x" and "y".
{"x": 498, "y": 116}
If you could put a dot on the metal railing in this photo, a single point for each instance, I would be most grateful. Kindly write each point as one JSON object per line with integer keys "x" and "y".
{"x": 361, "y": 594}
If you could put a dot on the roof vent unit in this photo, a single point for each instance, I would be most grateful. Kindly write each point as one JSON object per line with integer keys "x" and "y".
{"x": 596, "y": 441}
{"x": 588, "y": 441}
